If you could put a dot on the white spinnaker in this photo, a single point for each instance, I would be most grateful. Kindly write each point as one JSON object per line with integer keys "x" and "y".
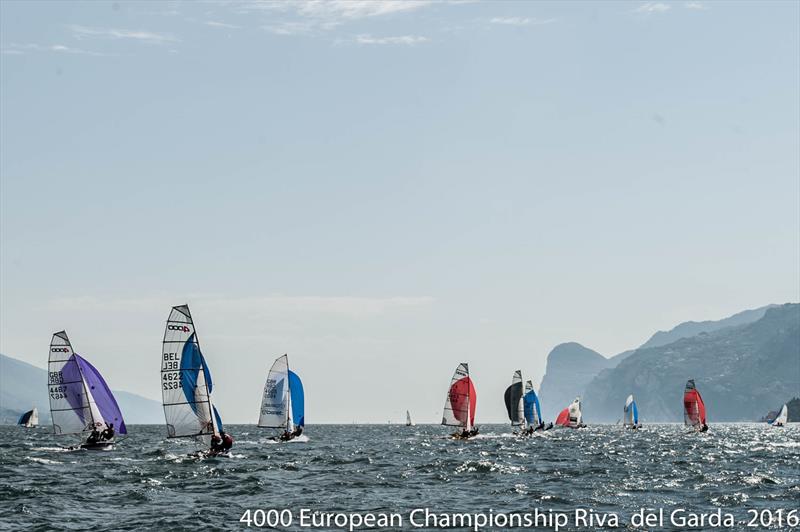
{"x": 187, "y": 413}
{"x": 448, "y": 416}
{"x": 68, "y": 418}
{"x": 783, "y": 416}
{"x": 275, "y": 400}
{"x": 575, "y": 417}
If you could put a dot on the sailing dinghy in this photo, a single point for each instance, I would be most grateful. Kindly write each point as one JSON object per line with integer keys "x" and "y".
{"x": 694, "y": 409}
{"x": 571, "y": 416}
{"x": 514, "y": 402}
{"x": 30, "y": 419}
{"x": 283, "y": 402}
{"x": 409, "y": 423}
{"x": 81, "y": 402}
{"x": 630, "y": 414}
{"x": 532, "y": 410}
{"x": 459, "y": 405}
{"x": 186, "y": 384}
{"x": 783, "y": 417}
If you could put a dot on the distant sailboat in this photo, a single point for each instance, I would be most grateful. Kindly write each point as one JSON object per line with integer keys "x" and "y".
{"x": 409, "y": 423}
{"x": 513, "y": 399}
{"x": 630, "y": 413}
{"x": 694, "y": 410}
{"x": 80, "y": 400}
{"x": 571, "y": 417}
{"x": 283, "y": 401}
{"x": 186, "y": 384}
{"x": 783, "y": 417}
{"x": 531, "y": 408}
{"x": 459, "y": 405}
{"x": 29, "y": 419}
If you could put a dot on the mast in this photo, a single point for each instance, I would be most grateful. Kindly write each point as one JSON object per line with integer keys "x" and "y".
{"x": 289, "y": 424}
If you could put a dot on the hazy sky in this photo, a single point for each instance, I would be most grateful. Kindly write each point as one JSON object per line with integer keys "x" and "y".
{"x": 384, "y": 190}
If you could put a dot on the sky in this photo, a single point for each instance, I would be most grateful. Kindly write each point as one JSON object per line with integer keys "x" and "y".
{"x": 383, "y": 190}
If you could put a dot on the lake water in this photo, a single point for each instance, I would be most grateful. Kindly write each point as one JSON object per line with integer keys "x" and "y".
{"x": 149, "y": 482}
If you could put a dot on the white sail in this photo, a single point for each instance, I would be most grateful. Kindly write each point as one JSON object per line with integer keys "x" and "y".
{"x": 185, "y": 390}
{"x": 575, "y": 416}
{"x": 627, "y": 412}
{"x": 34, "y": 420}
{"x": 71, "y": 406}
{"x": 275, "y": 400}
{"x": 460, "y": 400}
{"x": 783, "y": 417}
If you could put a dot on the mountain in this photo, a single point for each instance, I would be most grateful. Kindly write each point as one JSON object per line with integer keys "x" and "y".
{"x": 741, "y": 371}
{"x": 23, "y": 386}
{"x": 570, "y": 367}
{"x": 693, "y": 328}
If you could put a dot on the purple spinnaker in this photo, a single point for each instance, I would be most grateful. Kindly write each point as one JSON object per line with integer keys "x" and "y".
{"x": 73, "y": 389}
{"x": 103, "y": 397}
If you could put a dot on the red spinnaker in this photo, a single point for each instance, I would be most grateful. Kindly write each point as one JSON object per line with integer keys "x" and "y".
{"x": 694, "y": 408}
{"x": 563, "y": 418}
{"x": 459, "y": 392}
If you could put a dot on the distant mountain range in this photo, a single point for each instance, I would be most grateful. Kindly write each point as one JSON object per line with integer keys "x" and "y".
{"x": 23, "y": 386}
{"x": 745, "y": 362}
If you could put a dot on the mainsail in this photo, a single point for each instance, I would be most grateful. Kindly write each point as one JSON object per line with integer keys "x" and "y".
{"x": 409, "y": 423}
{"x": 186, "y": 384}
{"x": 283, "y": 402}
{"x": 459, "y": 405}
{"x": 530, "y": 403}
{"x": 783, "y": 417}
{"x": 571, "y": 416}
{"x": 513, "y": 398}
{"x": 80, "y": 399}
{"x": 630, "y": 413}
{"x": 694, "y": 410}
{"x": 29, "y": 419}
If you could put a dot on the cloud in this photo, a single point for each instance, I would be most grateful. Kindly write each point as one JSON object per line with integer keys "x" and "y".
{"x": 298, "y": 27}
{"x": 652, "y": 7}
{"x": 520, "y": 21}
{"x": 695, "y": 6}
{"x": 334, "y": 9}
{"x": 20, "y": 49}
{"x": 345, "y": 306}
{"x": 408, "y": 40}
{"x": 215, "y": 24}
{"x": 83, "y": 32}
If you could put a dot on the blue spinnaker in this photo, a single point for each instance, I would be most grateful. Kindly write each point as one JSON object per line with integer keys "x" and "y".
{"x": 635, "y": 413}
{"x": 219, "y": 419}
{"x": 530, "y": 406}
{"x": 192, "y": 362}
{"x": 298, "y": 399}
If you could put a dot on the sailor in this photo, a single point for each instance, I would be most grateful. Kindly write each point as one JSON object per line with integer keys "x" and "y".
{"x": 216, "y": 443}
{"x": 227, "y": 441}
{"x": 108, "y": 434}
{"x": 94, "y": 437}
{"x": 473, "y": 432}
{"x": 704, "y": 428}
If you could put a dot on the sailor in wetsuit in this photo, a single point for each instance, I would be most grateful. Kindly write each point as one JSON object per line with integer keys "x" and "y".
{"x": 226, "y": 443}
{"x": 216, "y": 444}
{"x": 108, "y": 434}
{"x": 704, "y": 428}
{"x": 94, "y": 437}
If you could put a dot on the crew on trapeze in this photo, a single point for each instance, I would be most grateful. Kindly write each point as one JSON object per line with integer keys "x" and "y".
{"x": 464, "y": 434}
{"x": 96, "y": 437}
{"x": 221, "y": 443}
{"x": 287, "y": 435}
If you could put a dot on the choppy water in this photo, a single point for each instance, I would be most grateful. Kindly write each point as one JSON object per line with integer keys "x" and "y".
{"x": 148, "y": 482}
